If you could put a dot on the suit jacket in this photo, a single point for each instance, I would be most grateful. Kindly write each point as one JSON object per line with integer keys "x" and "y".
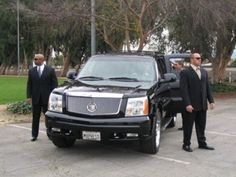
{"x": 195, "y": 91}
{"x": 41, "y": 87}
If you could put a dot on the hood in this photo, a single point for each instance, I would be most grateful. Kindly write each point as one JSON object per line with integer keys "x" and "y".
{"x": 125, "y": 88}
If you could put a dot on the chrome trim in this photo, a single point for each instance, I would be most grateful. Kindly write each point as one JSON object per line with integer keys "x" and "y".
{"x": 115, "y": 113}
{"x": 97, "y": 114}
{"x": 92, "y": 107}
{"x": 157, "y": 71}
{"x": 95, "y": 94}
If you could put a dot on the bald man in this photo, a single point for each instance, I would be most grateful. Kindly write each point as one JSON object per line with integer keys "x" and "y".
{"x": 41, "y": 81}
{"x": 195, "y": 90}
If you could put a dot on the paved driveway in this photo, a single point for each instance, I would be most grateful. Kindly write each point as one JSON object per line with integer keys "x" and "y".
{"x": 21, "y": 158}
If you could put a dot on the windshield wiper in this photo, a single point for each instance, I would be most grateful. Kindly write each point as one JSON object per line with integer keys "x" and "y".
{"x": 124, "y": 79}
{"x": 91, "y": 78}
{"x": 71, "y": 84}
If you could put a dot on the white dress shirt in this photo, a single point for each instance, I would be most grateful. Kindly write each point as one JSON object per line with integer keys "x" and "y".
{"x": 197, "y": 70}
{"x": 40, "y": 69}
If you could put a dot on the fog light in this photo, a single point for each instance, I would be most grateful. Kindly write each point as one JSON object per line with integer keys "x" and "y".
{"x": 56, "y": 129}
{"x": 132, "y": 134}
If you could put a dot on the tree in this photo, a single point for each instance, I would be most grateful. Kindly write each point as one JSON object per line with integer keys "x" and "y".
{"x": 129, "y": 22}
{"x": 208, "y": 27}
{"x": 225, "y": 34}
{"x": 8, "y": 37}
{"x": 62, "y": 25}
{"x": 59, "y": 25}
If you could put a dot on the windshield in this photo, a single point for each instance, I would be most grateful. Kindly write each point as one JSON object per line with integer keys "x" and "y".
{"x": 119, "y": 68}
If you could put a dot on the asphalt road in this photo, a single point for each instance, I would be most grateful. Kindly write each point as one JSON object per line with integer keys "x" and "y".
{"x": 19, "y": 157}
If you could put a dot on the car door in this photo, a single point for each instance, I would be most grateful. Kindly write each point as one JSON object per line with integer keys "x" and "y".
{"x": 173, "y": 101}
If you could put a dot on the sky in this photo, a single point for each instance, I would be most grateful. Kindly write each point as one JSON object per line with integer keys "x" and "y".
{"x": 234, "y": 54}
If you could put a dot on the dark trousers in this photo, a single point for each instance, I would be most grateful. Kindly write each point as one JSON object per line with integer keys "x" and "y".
{"x": 37, "y": 108}
{"x": 199, "y": 117}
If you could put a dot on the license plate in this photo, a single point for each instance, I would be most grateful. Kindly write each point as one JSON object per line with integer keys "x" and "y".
{"x": 89, "y": 135}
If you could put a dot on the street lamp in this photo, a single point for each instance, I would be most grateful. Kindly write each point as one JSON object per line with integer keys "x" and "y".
{"x": 18, "y": 39}
{"x": 93, "y": 30}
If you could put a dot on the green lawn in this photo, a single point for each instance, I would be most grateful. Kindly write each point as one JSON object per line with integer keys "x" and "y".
{"x": 13, "y": 88}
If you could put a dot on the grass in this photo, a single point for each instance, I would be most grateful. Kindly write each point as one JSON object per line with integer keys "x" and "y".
{"x": 13, "y": 88}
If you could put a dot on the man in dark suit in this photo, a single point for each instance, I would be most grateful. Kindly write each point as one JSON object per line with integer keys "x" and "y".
{"x": 195, "y": 90}
{"x": 41, "y": 81}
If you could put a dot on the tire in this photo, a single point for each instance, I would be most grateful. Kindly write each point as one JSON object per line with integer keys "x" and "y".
{"x": 63, "y": 142}
{"x": 151, "y": 144}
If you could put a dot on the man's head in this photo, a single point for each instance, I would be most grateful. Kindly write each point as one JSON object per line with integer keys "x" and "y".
{"x": 195, "y": 59}
{"x": 178, "y": 64}
{"x": 38, "y": 59}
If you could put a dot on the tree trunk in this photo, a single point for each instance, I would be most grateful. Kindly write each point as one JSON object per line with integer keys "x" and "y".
{"x": 15, "y": 70}
{"x": 66, "y": 66}
{"x": 3, "y": 69}
{"x": 225, "y": 45}
{"x": 108, "y": 41}
{"x": 127, "y": 37}
{"x": 219, "y": 66}
{"x": 8, "y": 70}
{"x": 49, "y": 55}
{"x": 25, "y": 64}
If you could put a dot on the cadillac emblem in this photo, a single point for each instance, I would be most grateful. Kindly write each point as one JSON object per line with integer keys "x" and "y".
{"x": 91, "y": 107}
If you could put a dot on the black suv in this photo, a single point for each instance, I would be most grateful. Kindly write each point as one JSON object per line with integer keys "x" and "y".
{"x": 115, "y": 97}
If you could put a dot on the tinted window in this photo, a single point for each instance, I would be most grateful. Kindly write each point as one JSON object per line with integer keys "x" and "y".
{"x": 110, "y": 67}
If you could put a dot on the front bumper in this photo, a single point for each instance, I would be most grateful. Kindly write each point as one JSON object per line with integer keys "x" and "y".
{"x": 140, "y": 125}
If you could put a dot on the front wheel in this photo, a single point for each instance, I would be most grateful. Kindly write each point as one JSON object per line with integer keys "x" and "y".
{"x": 63, "y": 142}
{"x": 151, "y": 144}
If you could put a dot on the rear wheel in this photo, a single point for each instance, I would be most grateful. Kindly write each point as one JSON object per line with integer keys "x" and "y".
{"x": 63, "y": 142}
{"x": 152, "y": 143}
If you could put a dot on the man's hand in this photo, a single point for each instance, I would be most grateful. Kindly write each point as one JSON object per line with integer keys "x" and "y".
{"x": 29, "y": 101}
{"x": 212, "y": 105}
{"x": 189, "y": 108}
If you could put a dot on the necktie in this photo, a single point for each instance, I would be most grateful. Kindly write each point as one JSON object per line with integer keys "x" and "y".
{"x": 39, "y": 71}
{"x": 198, "y": 72}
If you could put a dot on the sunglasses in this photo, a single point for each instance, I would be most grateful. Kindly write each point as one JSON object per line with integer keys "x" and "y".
{"x": 198, "y": 58}
{"x": 36, "y": 59}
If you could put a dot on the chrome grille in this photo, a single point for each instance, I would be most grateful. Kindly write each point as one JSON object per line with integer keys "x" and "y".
{"x": 103, "y": 106}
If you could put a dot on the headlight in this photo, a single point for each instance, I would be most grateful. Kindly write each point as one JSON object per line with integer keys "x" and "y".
{"x": 137, "y": 107}
{"x": 55, "y": 102}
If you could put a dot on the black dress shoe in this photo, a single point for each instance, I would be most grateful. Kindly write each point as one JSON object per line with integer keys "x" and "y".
{"x": 181, "y": 128}
{"x": 33, "y": 139}
{"x": 206, "y": 147}
{"x": 187, "y": 148}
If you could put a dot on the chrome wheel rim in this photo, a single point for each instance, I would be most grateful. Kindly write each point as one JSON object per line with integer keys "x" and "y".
{"x": 175, "y": 117}
{"x": 158, "y": 135}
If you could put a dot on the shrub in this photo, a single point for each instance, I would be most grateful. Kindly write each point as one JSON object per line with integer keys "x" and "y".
{"x": 20, "y": 107}
{"x": 233, "y": 64}
{"x": 222, "y": 88}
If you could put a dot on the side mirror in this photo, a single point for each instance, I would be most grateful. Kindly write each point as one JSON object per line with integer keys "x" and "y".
{"x": 71, "y": 75}
{"x": 168, "y": 77}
